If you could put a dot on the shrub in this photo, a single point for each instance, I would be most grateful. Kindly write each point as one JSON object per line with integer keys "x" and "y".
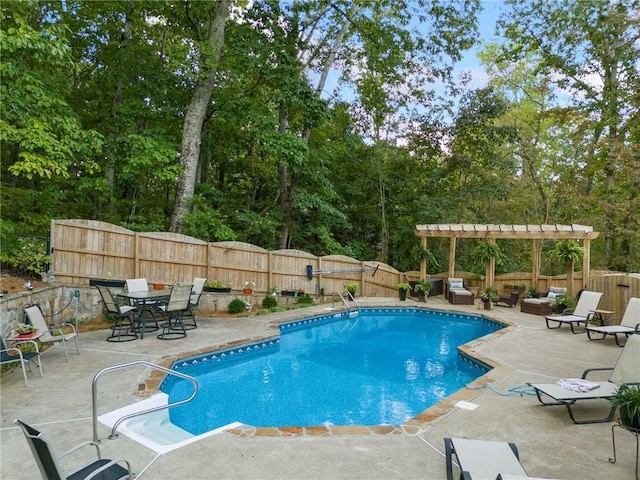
{"x": 305, "y": 299}
{"x": 236, "y": 306}
{"x": 269, "y": 302}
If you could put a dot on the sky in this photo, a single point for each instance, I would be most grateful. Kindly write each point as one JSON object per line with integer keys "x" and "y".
{"x": 486, "y": 25}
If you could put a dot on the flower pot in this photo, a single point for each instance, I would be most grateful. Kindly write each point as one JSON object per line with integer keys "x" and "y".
{"x": 247, "y": 291}
{"x": 487, "y": 305}
{"x": 628, "y": 420}
{"x": 158, "y": 286}
{"x": 217, "y": 289}
{"x": 403, "y": 294}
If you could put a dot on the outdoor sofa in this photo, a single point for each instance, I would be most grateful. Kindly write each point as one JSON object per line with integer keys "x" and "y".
{"x": 540, "y": 304}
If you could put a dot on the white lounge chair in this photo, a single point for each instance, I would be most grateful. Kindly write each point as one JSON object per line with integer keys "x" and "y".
{"x": 587, "y": 303}
{"x": 483, "y": 460}
{"x": 629, "y": 324}
{"x": 626, "y": 371}
{"x": 51, "y": 333}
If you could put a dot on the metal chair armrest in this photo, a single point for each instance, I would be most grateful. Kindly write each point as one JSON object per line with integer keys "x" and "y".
{"x": 589, "y": 370}
{"x": 78, "y": 447}
{"x": 106, "y": 466}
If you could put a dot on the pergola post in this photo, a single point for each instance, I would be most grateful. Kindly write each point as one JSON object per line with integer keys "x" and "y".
{"x": 423, "y": 262}
{"x": 491, "y": 265}
{"x": 452, "y": 256}
{"x": 586, "y": 261}
{"x": 535, "y": 262}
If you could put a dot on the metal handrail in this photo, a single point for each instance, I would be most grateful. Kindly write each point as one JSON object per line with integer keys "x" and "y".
{"x": 342, "y": 298}
{"x": 131, "y": 415}
{"x": 346, "y": 302}
{"x": 353, "y": 299}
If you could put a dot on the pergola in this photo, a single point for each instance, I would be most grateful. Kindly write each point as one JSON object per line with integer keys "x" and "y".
{"x": 513, "y": 232}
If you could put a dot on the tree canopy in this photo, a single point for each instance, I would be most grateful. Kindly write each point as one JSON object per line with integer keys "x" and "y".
{"x": 328, "y": 126}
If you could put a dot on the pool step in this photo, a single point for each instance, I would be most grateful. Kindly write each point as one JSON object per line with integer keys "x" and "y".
{"x": 157, "y": 426}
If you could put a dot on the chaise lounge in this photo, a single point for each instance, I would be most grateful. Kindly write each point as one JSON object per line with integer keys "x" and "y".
{"x": 584, "y": 311}
{"x": 482, "y": 459}
{"x": 630, "y": 324}
{"x": 457, "y": 294}
{"x": 626, "y": 371}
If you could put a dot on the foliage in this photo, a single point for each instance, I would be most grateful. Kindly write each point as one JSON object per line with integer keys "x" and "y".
{"x": 95, "y": 97}
{"x": 562, "y": 302}
{"x": 236, "y": 306}
{"x": 305, "y": 299}
{"x": 216, "y": 284}
{"x": 531, "y": 293}
{"x": 27, "y": 258}
{"x": 485, "y": 251}
{"x": 26, "y": 328}
{"x": 627, "y": 399}
{"x": 352, "y": 287}
{"x": 422, "y": 287}
{"x": 269, "y": 302}
{"x": 403, "y": 286}
{"x": 568, "y": 252}
{"x": 490, "y": 294}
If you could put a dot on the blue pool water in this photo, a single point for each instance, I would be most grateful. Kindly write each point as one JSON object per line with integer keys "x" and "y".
{"x": 383, "y": 366}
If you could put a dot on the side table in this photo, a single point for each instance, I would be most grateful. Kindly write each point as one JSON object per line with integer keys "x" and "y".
{"x": 601, "y": 315}
{"x": 23, "y": 338}
{"x": 634, "y": 431}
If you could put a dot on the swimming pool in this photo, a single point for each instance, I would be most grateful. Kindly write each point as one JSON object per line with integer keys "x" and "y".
{"x": 381, "y": 366}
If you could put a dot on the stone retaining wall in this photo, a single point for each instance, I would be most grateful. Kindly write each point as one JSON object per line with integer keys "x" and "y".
{"x": 60, "y": 300}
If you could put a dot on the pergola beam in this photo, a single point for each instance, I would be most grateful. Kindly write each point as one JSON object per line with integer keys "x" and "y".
{"x": 493, "y": 232}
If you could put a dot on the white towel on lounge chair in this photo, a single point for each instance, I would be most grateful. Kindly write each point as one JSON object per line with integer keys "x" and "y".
{"x": 577, "y": 384}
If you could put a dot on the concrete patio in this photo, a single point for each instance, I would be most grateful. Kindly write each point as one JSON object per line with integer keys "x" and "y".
{"x": 550, "y": 445}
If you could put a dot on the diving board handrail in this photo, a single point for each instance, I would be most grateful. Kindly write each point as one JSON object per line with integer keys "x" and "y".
{"x": 94, "y": 394}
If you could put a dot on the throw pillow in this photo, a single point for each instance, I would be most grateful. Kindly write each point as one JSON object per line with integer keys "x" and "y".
{"x": 552, "y": 295}
{"x": 457, "y": 285}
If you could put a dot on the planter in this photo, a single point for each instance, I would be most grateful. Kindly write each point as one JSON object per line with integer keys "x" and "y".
{"x": 629, "y": 420}
{"x": 289, "y": 293}
{"x": 487, "y": 304}
{"x": 403, "y": 294}
{"x": 158, "y": 286}
{"x": 94, "y": 282}
{"x": 247, "y": 291}
{"x": 217, "y": 289}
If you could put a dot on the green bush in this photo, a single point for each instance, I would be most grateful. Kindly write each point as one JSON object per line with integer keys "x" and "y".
{"x": 305, "y": 299}
{"x": 269, "y": 302}
{"x": 237, "y": 306}
{"x": 27, "y": 257}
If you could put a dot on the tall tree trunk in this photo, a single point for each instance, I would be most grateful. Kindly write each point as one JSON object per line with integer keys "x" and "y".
{"x": 118, "y": 98}
{"x": 196, "y": 112}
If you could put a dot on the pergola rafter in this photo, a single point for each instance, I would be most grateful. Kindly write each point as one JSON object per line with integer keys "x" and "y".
{"x": 492, "y": 232}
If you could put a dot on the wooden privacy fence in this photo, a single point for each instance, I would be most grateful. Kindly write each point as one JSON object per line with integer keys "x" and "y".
{"x": 84, "y": 250}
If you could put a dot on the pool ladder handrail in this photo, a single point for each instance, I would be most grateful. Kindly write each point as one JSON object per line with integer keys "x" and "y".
{"x": 345, "y": 301}
{"x": 94, "y": 393}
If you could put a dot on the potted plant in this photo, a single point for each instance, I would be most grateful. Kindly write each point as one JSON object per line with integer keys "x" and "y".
{"x": 627, "y": 399}
{"x": 489, "y": 295}
{"x": 561, "y": 303}
{"x": 531, "y": 293}
{"x": 352, "y": 287}
{"x": 249, "y": 285}
{"x": 25, "y": 329}
{"x": 214, "y": 286}
{"x": 422, "y": 289}
{"x": 274, "y": 291}
{"x": 403, "y": 288}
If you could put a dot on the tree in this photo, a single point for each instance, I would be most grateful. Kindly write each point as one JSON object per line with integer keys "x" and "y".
{"x": 209, "y": 43}
{"x": 589, "y": 49}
